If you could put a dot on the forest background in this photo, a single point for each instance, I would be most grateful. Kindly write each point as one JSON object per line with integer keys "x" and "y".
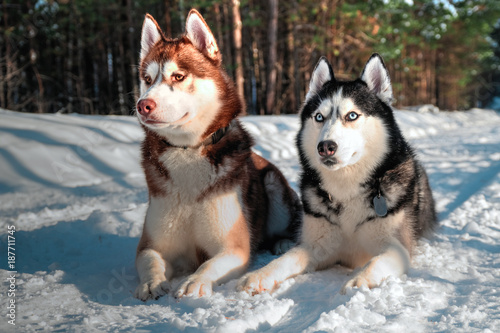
{"x": 82, "y": 55}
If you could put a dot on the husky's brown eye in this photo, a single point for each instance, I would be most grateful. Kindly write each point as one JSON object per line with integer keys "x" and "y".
{"x": 178, "y": 77}
{"x": 148, "y": 80}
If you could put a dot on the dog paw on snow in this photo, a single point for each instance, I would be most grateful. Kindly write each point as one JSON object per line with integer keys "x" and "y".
{"x": 194, "y": 287}
{"x": 362, "y": 279}
{"x": 256, "y": 283}
{"x": 152, "y": 290}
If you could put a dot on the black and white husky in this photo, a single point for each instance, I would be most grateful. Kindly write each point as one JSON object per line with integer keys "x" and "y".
{"x": 366, "y": 198}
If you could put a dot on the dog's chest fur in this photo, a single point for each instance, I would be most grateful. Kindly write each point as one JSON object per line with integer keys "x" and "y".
{"x": 190, "y": 173}
{"x": 345, "y": 212}
{"x": 345, "y": 200}
{"x": 187, "y": 215}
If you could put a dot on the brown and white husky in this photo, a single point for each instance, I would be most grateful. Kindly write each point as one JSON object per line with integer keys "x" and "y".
{"x": 212, "y": 201}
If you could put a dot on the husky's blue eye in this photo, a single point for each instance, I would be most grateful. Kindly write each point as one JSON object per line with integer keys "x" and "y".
{"x": 319, "y": 117}
{"x": 351, "y": 116}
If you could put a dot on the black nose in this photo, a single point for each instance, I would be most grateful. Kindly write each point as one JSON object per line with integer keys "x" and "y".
{"x": 327, "y": 148}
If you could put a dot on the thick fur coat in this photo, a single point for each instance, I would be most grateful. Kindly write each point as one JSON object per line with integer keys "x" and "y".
{"x": 212, "y": 201}
{"x": 366, "y": 197}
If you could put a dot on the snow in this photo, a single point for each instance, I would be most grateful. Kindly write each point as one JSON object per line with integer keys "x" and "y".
{"x": 73, "y": 188}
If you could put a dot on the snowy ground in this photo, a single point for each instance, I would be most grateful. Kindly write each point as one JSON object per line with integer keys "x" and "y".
{"x": 73, "y": 188}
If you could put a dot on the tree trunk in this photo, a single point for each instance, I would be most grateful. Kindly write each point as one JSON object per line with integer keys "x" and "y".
{"x": 2, "y": 76}
{"x": 237, "y": 49}
{"x": 323, "y": 26}
{"x": 227, "y": 58}
{"x": 131, "y": 51}
{"x": 181, "y": 14}
{"x": 297, "y": 89}
{"x": 168, "y": 18}
{"x": 280, "y": 98}
{"x": 248, "y": 71}
{"x": 218, "y": 27}
{"x": 291, "y": 70}
{"x": 432, "y": 78}
{"x": 120, "y": 71}
{"x": 3, "y": 59}
{"x": 272, "y": 56}
{"x": 255, "y": 96}
{"x": 69, "y": 63}
{"x": 80, "y": 79}
{"x": 339, "y": 31}
{"x": 437, "y": 83}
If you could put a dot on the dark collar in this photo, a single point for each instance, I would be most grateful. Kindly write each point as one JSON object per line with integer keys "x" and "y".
{"x": 211, "y": 140}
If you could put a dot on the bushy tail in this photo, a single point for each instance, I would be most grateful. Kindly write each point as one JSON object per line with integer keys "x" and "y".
{"x": 427, "y": 217}
{"x": 284, "y": 212}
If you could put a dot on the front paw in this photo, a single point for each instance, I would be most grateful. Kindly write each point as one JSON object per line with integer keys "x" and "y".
{"x": 194, "y": 286}
{"x": 362, "y": 279}
{"x": 152, "y": 290}
{"x": 256, "y": 282}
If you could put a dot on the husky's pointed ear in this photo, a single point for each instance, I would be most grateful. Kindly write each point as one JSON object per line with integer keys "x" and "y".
{"x": 322, "y": 73}
{"x": 376, "y": 76}
{"x": 201, "y": 36}
{"x": 151, "y": 34}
